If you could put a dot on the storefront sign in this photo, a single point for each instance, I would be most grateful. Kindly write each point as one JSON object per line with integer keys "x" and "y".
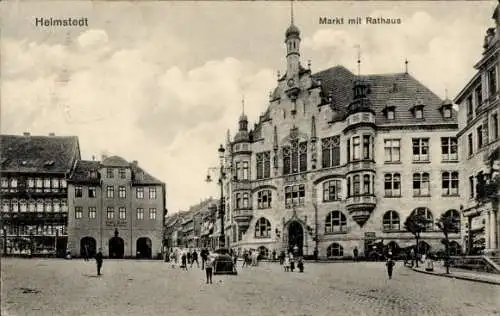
{"x": 116, "y": 223}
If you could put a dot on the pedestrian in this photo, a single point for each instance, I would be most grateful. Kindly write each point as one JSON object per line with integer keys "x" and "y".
{"x": 184, "y": 260}
{"x": 204, "y": 256}
{"x": 86, "y": 253}
{"x": 300, "y": 264}
{"x": 194, "y": 257}
{"x": 245, "y": 259}
{"x": 208, "y": 268}
{"x": 172, "y": 259}
{"x": 282, "y": 257}
{"x": 390, "y": 265}
{"x": 355, "y": 252}
{"x": 98, "y": 260}
{"x": 274, "y": 254}
{"x": 286, "y": 264}
{"x": 188, "y": 256}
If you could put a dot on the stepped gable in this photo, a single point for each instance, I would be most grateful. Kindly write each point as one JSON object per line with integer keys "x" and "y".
{"x": 38, "y": 154}
{"x": 83, "y": 168}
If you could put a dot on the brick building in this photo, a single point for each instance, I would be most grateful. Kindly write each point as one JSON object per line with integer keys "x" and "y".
{"x": 117, "y": 206}
{"x": 338, "y": 161}
{"x": 33, "y": 184}
{"x": 479, "y": 140}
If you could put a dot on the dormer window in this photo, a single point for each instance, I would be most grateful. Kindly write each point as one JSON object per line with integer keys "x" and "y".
{"x": 447, "y": 111}
{"x": 418, "y": 109}
{"x": 389, "y": 112}
{"x": 419, "y": 113}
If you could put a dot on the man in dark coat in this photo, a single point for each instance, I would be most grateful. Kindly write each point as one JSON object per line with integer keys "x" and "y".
{"x": 98, "y": 260}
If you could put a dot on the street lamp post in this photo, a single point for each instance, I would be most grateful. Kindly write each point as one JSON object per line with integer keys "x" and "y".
{"x": 222, "y": 175}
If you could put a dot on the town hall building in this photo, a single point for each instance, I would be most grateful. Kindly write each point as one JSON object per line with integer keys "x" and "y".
{"x": 338, "y": 161}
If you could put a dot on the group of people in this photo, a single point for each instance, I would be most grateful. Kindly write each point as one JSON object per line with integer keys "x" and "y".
{"x": 187, "y": 257}
{"x": 289, "y": 261}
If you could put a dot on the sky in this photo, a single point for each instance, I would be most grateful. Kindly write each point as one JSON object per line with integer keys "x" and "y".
{"x": 161, "y": 82}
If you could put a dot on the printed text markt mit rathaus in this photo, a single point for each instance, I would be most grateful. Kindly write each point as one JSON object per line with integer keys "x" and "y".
{"x": 358, "y": 20}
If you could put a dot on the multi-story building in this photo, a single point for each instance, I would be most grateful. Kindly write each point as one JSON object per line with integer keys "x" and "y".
{"x": 33, "y": 185}
{"x": 479, "y": 139}
{"x": 339, "y": 160}
{"x": 117, "y": 206}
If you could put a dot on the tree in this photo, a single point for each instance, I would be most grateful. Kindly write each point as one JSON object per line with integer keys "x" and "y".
{"x": 416, "y": 223}
{"x": 447, "y": 224}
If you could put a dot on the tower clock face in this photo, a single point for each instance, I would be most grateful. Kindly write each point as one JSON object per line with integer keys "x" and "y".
{"x": 290, "y": 82}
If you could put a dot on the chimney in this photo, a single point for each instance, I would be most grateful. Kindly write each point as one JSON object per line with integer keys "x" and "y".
{"x": 134, "y": 162}
{"x": 52, "y": 134}
{"x": 26, "y": 134}
{"x": 104, "y": 157}
{"x": 93, "y": 158}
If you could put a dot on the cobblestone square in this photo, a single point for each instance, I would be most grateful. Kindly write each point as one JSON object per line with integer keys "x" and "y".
{"x": 59, "y": 287}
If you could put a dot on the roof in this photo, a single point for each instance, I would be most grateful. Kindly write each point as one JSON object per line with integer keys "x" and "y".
{"x": 142, "y": 177}
{"x": 83, "y": 169}
{"x": 38, "y": 154}
{"x": 115, "y": 161}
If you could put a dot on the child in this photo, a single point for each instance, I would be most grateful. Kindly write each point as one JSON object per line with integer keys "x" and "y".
{"x": 286, "y": 264}
{"x": 208, "y": 268}
{"x": 172, "y": 259}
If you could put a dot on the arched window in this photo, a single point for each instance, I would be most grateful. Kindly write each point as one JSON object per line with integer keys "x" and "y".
{"x": 263, "y": 252}
{"x": 455, "y": 216}
{"x": 5, "y": 206}
{"x": 262, "y": 228}
{"x": 39, "y": 206}
{"x": 245, "y": 200}
{"x": 48, "y": 206}
{"x": 335, "y": 250}
{"x": 455, "y": 249}
{"x": 295, "y": 157}
{"x": 336, "y": 222}
{"x": 56, "y": 206}
{"x": 426, "y": 213}
{"x": 391, "y": 221}
{"x": 15, "y": 206}
{"x": 31, "y": 206}
{"x": 22, "y": 206}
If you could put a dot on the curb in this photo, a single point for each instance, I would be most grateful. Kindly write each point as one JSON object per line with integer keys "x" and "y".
{"x": 457, "y": 277}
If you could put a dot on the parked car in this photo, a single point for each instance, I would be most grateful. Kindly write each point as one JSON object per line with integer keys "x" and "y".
{"x": 223, "y": 262}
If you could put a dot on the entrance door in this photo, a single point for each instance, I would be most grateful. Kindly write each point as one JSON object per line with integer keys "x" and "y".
{"x": 87, "y": 247}
{"x": 295, "y": 238}
{"x": 116, "y": 248}
{"x": 143, "y": 248}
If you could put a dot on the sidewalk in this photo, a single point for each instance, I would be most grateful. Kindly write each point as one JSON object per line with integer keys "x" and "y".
{"x": 475, "y": 276}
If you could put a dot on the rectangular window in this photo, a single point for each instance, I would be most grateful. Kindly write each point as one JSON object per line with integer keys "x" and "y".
{"x": 492, "y": 81}
{"x": 447, "y": 112}
{"x": 264, "y": 199}
{"x": 260, "y": 165}
{"x": 238, "y": 170}
{"x": 449, "y": 150}
{"x": 348, "y": 150}
{"x": 123, "y": 173}
{"x": 246, "y": 201}
{"x": 152, "y": 213}
{"x": 392, "y": 150}
{"x": 449, "y": 183}
{"x": 55, "y": 185}
{"x": 78, "y": 212}
{"x": 152, "y": 193}
{"x": 92, "y": 192}
{"x": 470, "y": 145}
{"x": 356, "y": 148}
{"x": 356, "y": 185}
{"x": 332, "y": 190}
{"x": 330, "y": 151}
{"x": 110, "y": 192}
{"x": 392, "y": 184}
{"x": 267, "y": 164}
{"x": 122, "y": 193}
{"x": 494, "y": 126}
{"x": 109, "y": 173}
{"x": 78, "y": 192}
{"x": 479, "y": 136}
{"x": 470, "y": 108}
{"x": 139, "y": 193}
{"x": 486, "y": 134}
{"x": 122, "y": 213}
{"x": 419, "y": 113}
{"x": 245, "y": 170}
{"x": 366, "y": 146}
{"x": 471, "y": 187}
{"x": 294, "y": 195}
{"x": 140, "y": 213}
{"x": 420, "y": 149}
{"x": 390, "y": 114}
{"x": 63, "y": 183}
{"x": 421, "y": 184}
{"x": 110, "y": 213}
{"x": 92, "y": 212}
{"x": 479, "y": 96}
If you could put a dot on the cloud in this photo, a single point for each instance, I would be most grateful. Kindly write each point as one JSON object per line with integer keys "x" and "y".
{"x": 118, "y": 100}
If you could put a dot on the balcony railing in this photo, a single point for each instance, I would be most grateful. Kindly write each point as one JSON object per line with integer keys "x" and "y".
{"x": 361, "y": 199}
{"x": 360, "y": 165}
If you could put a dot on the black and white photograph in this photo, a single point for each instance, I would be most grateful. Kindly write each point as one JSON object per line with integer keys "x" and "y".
{"x": 250, "y": 158}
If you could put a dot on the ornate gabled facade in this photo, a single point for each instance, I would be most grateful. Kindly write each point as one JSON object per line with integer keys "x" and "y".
{"x": 339, "y": 160}
{"x": 34, "y": 195}
{"x": 117, "y": 206}
{"x": 479, "y": 139}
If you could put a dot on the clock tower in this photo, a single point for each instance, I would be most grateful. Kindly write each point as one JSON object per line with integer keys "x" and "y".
{"x": 292, "y": 42}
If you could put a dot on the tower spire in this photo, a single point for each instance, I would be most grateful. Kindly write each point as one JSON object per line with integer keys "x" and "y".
{"x": 359, "y": 59}
{"x": 291, "y": 11}
{"x": 406, "y": 65}
{"x": 243, "y": 104}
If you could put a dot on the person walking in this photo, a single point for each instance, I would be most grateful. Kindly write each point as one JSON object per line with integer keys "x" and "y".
{"x": 189, "y": 257}
{"x": 99, "y": 260}
{"x": 194, "y": 257}
{"x": 390, "y": 265}
{"x": 204, "y": 256}
{"x": 172, "y": 259}
{"x": 209, "y": 268}
{"x": 184, "y": 260}
{"x": 86, "y": 253}
{"x": 355, "y": 252}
